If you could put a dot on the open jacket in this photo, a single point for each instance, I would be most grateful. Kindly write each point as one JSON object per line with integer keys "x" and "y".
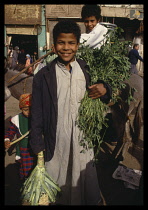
{"x": 45, "y": 106}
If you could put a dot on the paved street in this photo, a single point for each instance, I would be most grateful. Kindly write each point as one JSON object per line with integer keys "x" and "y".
{"x": 113, "y": 191}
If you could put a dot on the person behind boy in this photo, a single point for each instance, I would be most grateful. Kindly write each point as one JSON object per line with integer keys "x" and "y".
{"x": 95, "y": 37}
{"x": 20, "y": 124}
{"x": 57, "y": 91}
{"x": 95, "y": 32}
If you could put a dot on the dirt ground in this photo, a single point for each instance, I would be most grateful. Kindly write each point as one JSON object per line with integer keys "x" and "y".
{"x": 113, "y": 191}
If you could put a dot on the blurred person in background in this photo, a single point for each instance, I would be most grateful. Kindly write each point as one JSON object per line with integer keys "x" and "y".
{"x": 15, "y": 57}
{"x": 134, "y": 57}
{"x": 10, "y": 55}
{"x": 21, "y": 60}
{"x": 28, "y": 62}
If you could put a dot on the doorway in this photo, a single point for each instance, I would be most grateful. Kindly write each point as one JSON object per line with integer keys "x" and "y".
{"x": 27, "y": 42}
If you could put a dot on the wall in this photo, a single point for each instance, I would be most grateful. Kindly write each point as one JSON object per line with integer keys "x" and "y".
{"x": 24, "y": 19}
{"x": 63, "y": 10}
{"x": 130, "y": 11}
{"x": 24, "y": 14}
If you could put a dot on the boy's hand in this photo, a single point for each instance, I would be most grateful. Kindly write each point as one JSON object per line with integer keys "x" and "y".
{"x": 96, "y": 91}
{"x": 7, "y": 144}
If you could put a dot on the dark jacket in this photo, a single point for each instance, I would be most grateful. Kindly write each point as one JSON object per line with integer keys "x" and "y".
{"x": 45, "y": 107}
{"x": 22, "y": 58}
{"x": 134, "y": 56}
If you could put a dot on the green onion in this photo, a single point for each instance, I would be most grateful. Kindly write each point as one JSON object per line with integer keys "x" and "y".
{"x": 39, "y": 188}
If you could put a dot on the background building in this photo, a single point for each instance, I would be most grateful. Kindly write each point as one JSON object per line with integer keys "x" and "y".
{"x": 30, "y": 26}
{"x": 25, "y": 27}
{"x": 127, "y": 16}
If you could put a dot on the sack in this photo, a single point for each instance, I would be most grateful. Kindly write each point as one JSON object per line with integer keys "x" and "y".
{"x": 131, "y": 177}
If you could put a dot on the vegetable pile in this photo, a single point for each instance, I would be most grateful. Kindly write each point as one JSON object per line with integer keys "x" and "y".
{"x": 39, "y": 188}
{"x": 110, "y": 64}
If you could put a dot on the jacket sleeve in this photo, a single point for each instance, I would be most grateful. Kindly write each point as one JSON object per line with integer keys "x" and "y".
{"x": 36, "y": 140}
{"x": 11, "y": 131}
{"x": 138, "y": 56}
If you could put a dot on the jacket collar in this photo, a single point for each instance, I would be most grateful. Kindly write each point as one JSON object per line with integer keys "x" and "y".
{"x": 85, "y": 69}
{"x": 50, "y": 78}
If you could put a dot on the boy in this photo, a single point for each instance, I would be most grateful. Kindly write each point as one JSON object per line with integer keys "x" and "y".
{"x": 95, "y": 32}
{"x": 20, "y": 124}
{"x": 57, "y": 91}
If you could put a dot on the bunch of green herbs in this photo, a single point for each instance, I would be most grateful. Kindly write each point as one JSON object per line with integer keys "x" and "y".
{"x": 109, "y": 63}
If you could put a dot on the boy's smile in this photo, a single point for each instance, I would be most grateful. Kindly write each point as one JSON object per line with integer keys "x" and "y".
{"x": 66, "y": 47}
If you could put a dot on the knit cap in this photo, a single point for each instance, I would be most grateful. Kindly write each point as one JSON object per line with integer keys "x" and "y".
{"x": 25, "y": 100}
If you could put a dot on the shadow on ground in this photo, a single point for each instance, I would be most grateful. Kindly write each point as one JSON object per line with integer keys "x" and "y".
{"x": 114, "y": 191}
{"x": 12, "y": 185}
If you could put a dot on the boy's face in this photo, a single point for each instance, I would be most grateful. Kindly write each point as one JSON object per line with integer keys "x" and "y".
{"x": 66, "y": 47}
{"x": 90, "y": 23}
{"x": 26, "y": 111}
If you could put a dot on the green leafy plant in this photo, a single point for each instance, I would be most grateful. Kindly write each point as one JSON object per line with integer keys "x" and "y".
{"x": 110, "y": 64}
{"x": 39, "y": 188}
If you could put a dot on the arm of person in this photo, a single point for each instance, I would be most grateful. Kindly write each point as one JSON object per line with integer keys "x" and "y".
{"x": 95, "y": 38}
{"x": 10, "y": 134}
{"x": 100, "y": 90}
{"x": 138, "y": 56}
{"x": 7, "y": 143}
{"x": 36, "y": 140}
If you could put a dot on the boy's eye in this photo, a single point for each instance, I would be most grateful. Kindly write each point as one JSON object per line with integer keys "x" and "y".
{"x": 25, "y": 110}
{"x": 87, "y": 21}
{"x": 60, "y": 42}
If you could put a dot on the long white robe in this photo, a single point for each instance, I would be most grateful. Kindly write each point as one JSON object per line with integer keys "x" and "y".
{"x": 72, "y": 170}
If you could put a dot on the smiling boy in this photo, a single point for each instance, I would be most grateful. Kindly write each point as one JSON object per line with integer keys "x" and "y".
{"x": 66, "y": 47}
{"x": 58, "y": 89}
